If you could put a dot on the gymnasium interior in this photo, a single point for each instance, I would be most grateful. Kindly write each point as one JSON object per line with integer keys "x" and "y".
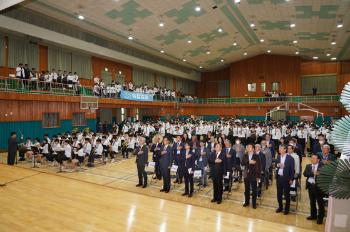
{"x": 167, "y": 115}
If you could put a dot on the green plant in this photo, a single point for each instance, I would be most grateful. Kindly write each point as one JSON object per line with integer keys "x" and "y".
{"x": 334, "y": 179}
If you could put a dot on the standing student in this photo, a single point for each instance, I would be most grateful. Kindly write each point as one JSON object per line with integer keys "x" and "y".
{"x": 12, "y": 149}
{"x": 251, "y": 173}
{"x": 203, "y": 162}
{"x": 189, "y": 166}
{"x": 284, "y": 178}
{"x": 165, "y": 163}
{"x": 315, "y": 193}
{"x": 217, "y": 159}
{"x": 141, "y": 161}
{"x": 230, "y": 160}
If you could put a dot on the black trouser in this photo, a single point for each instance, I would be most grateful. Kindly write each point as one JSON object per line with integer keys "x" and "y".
{"x": 277, "y": 143}
{"x": 228, "y": 182}
{"x": 250, "y": 184}
{"x": 217, "y": 185}
{"x": 142, "y": 174}
{"x": 283, "y": 188}
{"x": 166, "y": 178}
{"x": 180, "y": 173}
{"x": 11, "y": 157}
{"x": 301, "y": 141}
{"x": 157, "y": 170}
{"x": 92, "y": 157}
{"x": 125, "y": 152}
{"x": 316, "y": 195}
{"x": 80, "y": 159}
{"x": 188, "y": 182}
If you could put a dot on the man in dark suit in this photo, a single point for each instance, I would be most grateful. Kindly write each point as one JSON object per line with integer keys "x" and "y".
{"x": 155, "y": 149}
{"x": 165, "y": 163}
{"x": 315, "y": 193}
{"x": 217, "y": 159}
{"x": 284, "y": 178}
{"x": 251, "y": 173}
{"x": 270, "y": 144}
{"x": 141, "y": 153}
{"x": 229, "y": 164}
{"x": 202, "y": 162}
{"x": 12, "y": 149}
{"x": 179, "y": 158}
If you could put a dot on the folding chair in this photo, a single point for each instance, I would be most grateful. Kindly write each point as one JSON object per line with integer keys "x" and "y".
{"x": 150, "y": 170}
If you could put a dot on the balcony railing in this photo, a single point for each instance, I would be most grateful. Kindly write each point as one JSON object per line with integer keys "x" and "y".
{"x": 52, "y": 88}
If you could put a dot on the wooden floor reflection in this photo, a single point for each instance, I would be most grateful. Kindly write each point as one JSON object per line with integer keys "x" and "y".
{"x": 37, "y": 201}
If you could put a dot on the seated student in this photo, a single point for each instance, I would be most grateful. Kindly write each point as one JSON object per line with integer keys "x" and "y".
{"x": 29, "y": 151}
{"x": 56, "y": 147}
{"x": 87, "y": 147}
{"x": 97, "y": 153}
{"x": 115, "y": 147}
{"x": 44, "y": 149}
{"x": 79, "y": 153}
{"x": 67, "y": 153}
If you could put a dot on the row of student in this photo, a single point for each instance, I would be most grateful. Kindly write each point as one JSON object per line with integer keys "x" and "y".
{"x": 114, "y": 89}
{"x": 307, "y": 133}
{"x": 25, "y": 73}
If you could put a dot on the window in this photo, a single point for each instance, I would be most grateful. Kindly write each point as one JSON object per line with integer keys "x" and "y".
{"x": 263, "y": 87}
{"x": 79, "y": 119}
{"x": 275, "y": 86}
{"x": 252, "y": 87}
{"x": 51, "y": 120}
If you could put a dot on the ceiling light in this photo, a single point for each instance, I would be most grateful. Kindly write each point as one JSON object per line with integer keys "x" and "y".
{"x": 268, "y": 51}
{"x": 339, "y": 25}
{"x": 328, "y": 54}
{"x": 333, "y": 43}
{"x": 292, "y": 25}
{"x": 296, "y": 53}
{"x": 81, "y": 17}
{"x": 200, "y": 67}
{"x": 184, "y": 60}
{"x": 130, "y": 37}
{"x": 162, "y": 51}
{"x": 222, "y": 60}
{"x": 197, "y": 8}
{"x": 161, "y": 24}
{"x": 234, "y": 44}
{"x": 237, "y": 1}
{"x": 252, "y": 25}
{"x": 262, "y": 40}
{"x": 106, "y": 69}
{"x": 295, "y": 41}
{"x": 207, "y": 52}
{"x": 315, "y": 57}
{"x": 245, "y": 54}
{"x": 189, "y": 41}
{"x": 333, "y": 58}
{"x": 220, "y": 30}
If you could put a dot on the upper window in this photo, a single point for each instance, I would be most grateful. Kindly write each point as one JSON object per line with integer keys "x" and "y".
{"x": 51, "y": 120}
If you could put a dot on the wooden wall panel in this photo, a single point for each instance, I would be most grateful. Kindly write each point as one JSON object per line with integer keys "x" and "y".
{"x": 4, "y": 71}
{"x": 208, "y": 87}
{"x": 317, "y": 67}
{"x": 345, "y": 67}
{"x": 99, "y": 64}
{"x": 43, "y": 58}
{"x": 268, "y": 69}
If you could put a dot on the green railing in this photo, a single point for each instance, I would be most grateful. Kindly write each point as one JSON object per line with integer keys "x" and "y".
{"x": 37, "y": 87}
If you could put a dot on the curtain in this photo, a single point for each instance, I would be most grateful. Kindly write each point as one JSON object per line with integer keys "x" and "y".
{"x": 59, "y": 59}
{"x": 140, "y": 76}
{"x": 169, "y": 83}
{"x": 179, "y": 86}
{"x": 81, "y": 64}
{"x": 2, "y": 50}
{"x": 325, "y": 84}
{"x": 106, "y": 77}
{"x": 161, "y": 81}
{"x": 223, "y": 88}
{"x": 23, "y": 51}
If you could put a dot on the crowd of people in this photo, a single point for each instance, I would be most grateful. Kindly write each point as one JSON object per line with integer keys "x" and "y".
{"x": 114, "y": 89}
{"x": 225, "y": 151}
{"x": 30, "y": 75}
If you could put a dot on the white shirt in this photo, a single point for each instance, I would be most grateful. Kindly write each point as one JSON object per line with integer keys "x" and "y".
{"x": 99, "y": 149}
{"x": 280, "y": 170}
{"x": 68, "y": 151}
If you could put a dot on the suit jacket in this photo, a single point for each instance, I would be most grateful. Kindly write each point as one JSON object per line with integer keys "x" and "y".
{"x": 288, "y": 170}
{"x": 204, "y": 161}
{"x": 178, "y": 155}
{"x": 229, "y": 161}
{"x": 217, "y": 168}
{"x": 272, "y": 148}
{"x": 252, "y": 171}
{"x": 141, "y": 159}
{"x": 155, "y": 149}
{"x": 308, "y": 173}
{"x": 330, "y": 157}
{"x": 190, "y": 162}
{"x": 166, "y": 159}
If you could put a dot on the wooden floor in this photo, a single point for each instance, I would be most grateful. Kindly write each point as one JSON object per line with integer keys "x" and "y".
{"x": 105, "y": 199}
